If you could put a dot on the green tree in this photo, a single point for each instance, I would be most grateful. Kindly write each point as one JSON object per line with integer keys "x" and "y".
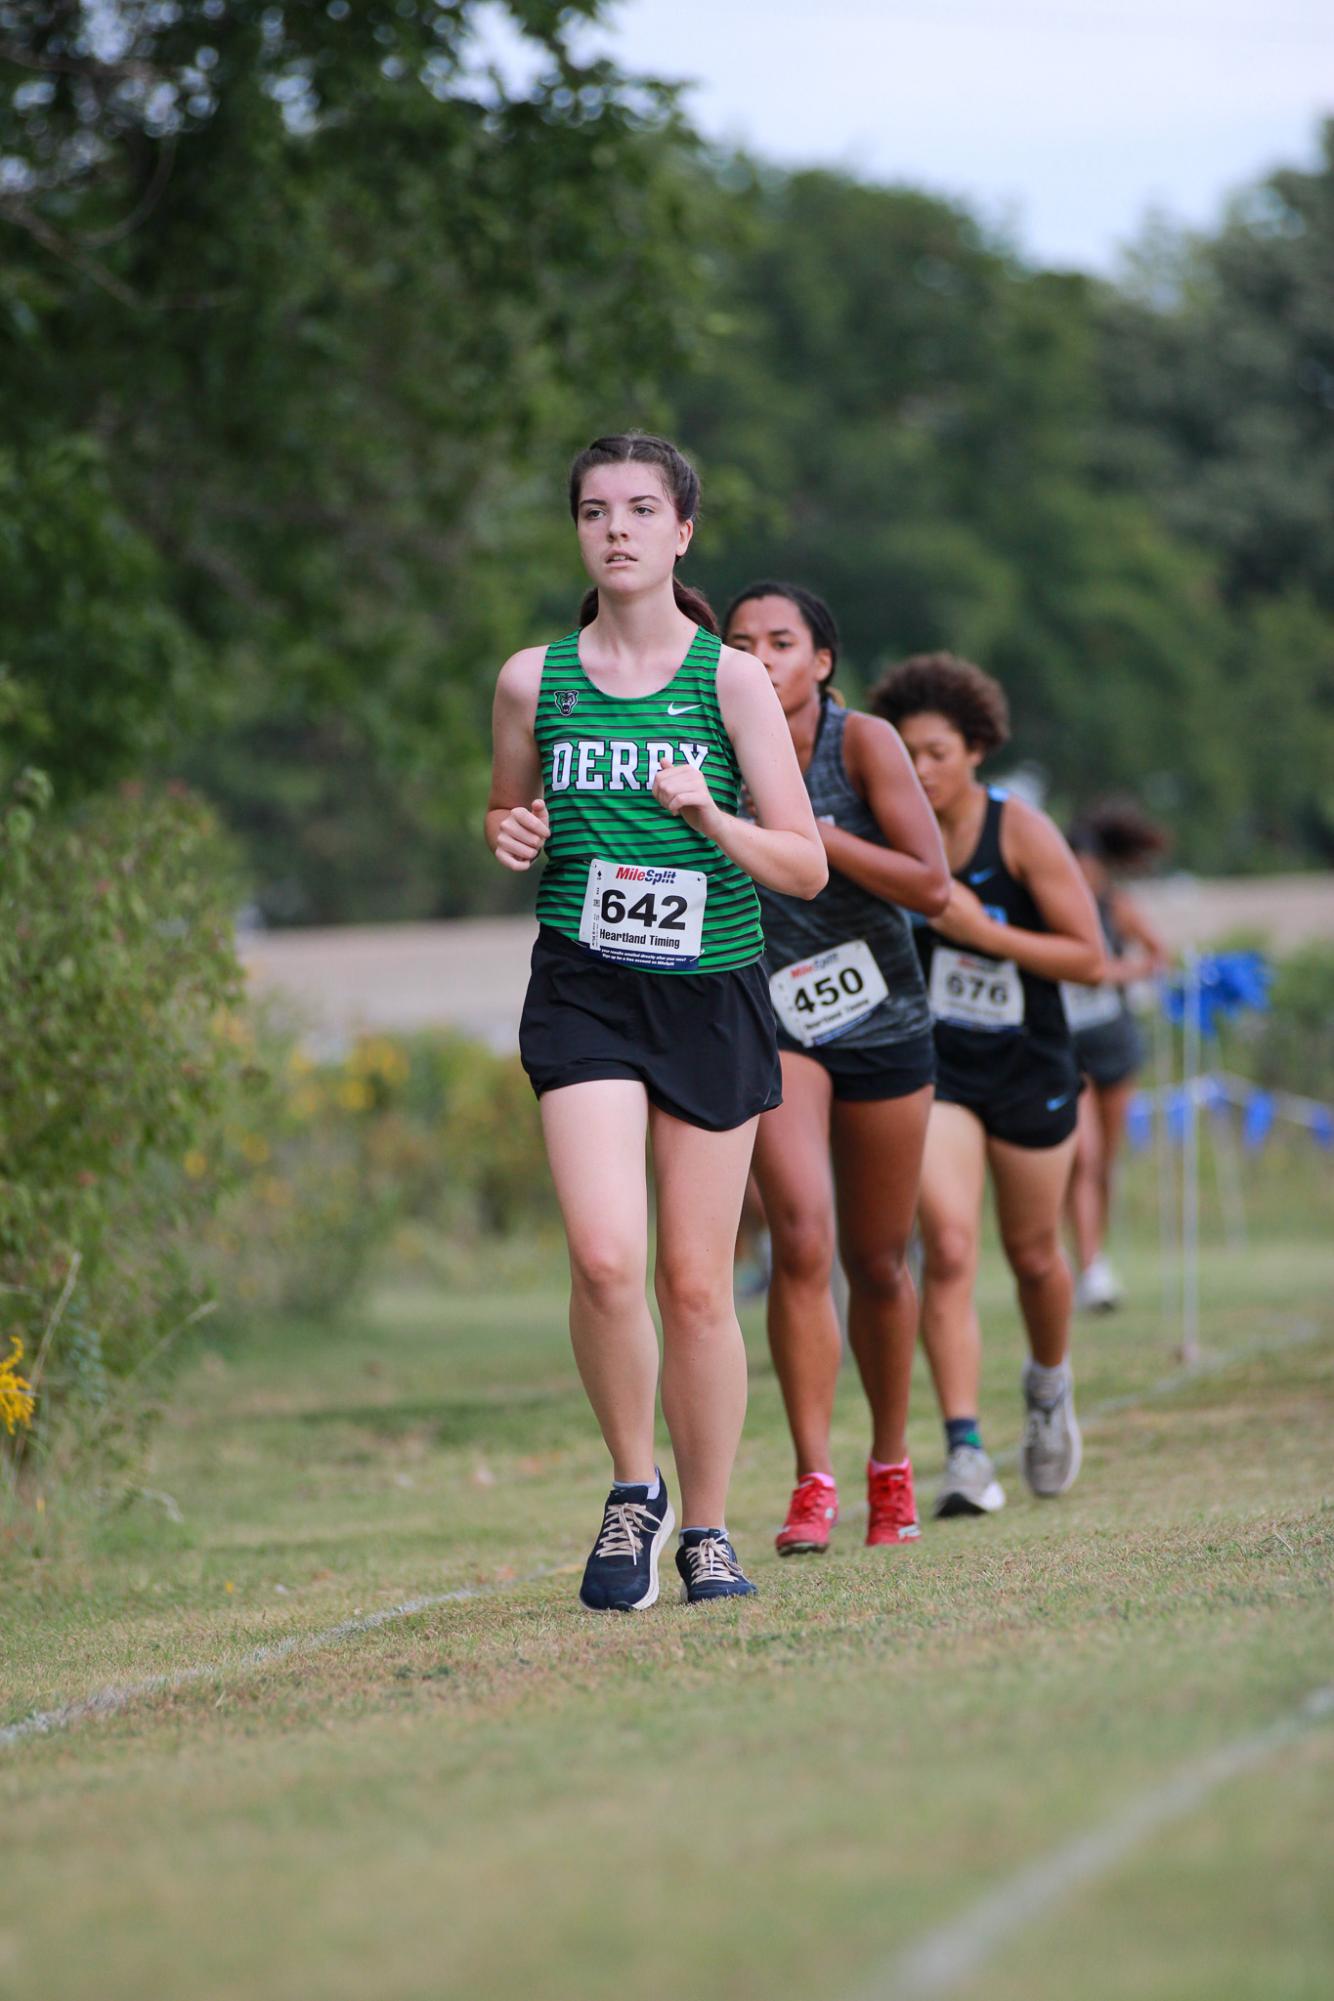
{"x": 1217, "y": 361}
{"x": 329, "y": 299}
{"x": 910, "y": 417}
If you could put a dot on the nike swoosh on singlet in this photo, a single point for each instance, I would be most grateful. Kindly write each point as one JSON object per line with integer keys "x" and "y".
{"x": 1054, "y": 1104}
{"x": 681, "y": 708}
{"x": 981, "y": 874}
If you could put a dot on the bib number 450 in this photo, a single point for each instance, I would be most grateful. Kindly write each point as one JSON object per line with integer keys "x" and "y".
{"x": 823, "y": 997}
{"x": 825, "y": 992}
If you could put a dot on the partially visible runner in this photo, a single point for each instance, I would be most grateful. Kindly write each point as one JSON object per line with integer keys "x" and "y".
{"x": 1020, "y": 918}
{"x": 622, "y": 749}
{"x": 1109, "y": 841}
{"x": 854, "y": 1032}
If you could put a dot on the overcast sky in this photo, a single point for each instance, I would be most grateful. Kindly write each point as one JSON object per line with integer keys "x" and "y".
{"x": 1065, "y": 119}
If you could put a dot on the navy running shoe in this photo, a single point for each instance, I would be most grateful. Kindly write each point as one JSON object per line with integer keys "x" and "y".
{"x": 709, "y": 1569}
{"x": 621, "y": 1574}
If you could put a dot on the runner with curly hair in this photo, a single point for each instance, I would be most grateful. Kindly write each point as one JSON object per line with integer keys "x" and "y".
{"x": 1019, "y": 920}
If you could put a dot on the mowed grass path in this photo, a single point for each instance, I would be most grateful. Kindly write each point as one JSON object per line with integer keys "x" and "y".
{"x": 504, "y": 1797}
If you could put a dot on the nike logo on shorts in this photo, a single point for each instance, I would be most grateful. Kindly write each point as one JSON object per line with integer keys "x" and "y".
{"x": 1054, "y": 1104}
{"x": 681, "y": 708}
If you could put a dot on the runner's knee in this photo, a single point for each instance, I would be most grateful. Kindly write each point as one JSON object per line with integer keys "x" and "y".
{"x": 880, "y": 1274}
{"x": 693, "y": 1297}
{"x": 950, "y": 1253}
{"x": 1035, "y": 1258}
{"x": 802, "y": 1247}
{"x": 604, "y": 1272}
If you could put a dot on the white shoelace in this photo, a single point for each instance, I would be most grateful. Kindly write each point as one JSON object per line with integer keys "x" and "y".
{"x": 624, "y": 1527}
{"x": 710, "y": 1561}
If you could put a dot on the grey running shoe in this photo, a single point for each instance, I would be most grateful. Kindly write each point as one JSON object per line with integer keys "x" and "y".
{"x": 1052, "y": 1447}
{"x": 969, "y": 1485}
{"x": 1097, "y": 1289}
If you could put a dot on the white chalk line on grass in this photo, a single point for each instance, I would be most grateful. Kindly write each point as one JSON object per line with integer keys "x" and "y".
{"x": 108, "y": 1701}
{"x": 961, "y": 1948}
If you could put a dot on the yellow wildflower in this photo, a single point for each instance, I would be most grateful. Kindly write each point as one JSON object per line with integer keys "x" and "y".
{"x": 354, "y": 1096}
{"x": 255, "y": 1148}
{"x": 16, "y": 1396}
{"x": 195, "y": 1164}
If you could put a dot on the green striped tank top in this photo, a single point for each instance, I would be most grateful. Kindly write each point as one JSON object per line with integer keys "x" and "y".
{"x": 599, "y": 756}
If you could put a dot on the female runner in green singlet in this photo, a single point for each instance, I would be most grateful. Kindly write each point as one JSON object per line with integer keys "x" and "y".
{"x": 621, "y": 750}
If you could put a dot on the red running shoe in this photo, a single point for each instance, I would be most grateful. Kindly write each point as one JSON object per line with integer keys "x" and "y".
{"x": 811, "y": 1513}
{"x": 891, "y": 1506}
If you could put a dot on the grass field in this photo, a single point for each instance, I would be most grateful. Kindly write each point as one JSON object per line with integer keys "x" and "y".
{"x": 500, "y": 1796}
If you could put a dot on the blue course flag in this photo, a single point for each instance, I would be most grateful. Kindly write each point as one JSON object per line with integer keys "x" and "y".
{"x": 1258, "y": 1121}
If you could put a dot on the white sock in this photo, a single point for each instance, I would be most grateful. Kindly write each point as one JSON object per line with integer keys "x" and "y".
{"x": 651, "y": 1494}
{"x": 1047, "y": 1384}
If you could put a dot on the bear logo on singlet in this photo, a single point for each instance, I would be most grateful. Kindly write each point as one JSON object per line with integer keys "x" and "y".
{"x": 566, "y": 700}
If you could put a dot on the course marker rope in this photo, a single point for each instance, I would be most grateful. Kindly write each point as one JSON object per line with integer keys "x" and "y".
{"x": 111, "y": 1700}
{"x": 959, "y": 1949}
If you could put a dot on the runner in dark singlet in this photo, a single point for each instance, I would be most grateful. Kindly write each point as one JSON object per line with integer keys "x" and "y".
{"x": 1020, "y": 919}
{"x": 854, "y": 1036}
{"x": 1110, "y": 842}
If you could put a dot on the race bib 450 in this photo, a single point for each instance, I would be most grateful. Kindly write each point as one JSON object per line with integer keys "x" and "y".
{"x": 822, "y": 997}
{"x": 644, "y": 916}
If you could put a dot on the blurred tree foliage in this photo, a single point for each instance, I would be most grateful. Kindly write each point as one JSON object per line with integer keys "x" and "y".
{"x": 306, "y": 292}
{"x": 303, "y": 307}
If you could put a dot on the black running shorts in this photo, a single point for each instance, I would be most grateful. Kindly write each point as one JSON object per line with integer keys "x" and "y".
{"x": 881, "y": 1070}
{"x": 701, "y": 1044}
{"x": 1031, "y": 1102}
{"x": 1111, "y": 1054}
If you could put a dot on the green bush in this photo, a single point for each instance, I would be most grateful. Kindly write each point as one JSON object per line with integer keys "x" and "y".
{"x": 1294, "y": 1048}
{"x": 117, "y": 978}
{"x": 410, "y": 1143}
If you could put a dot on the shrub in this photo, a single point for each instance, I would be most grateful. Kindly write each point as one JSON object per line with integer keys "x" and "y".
{"x": 1294, "y": 1048}
{"x": 409, "y": 1140}
{"x": 117, "y": 979}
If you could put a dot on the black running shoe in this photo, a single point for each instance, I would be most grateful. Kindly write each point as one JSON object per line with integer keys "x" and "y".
{"x": 709, "y": 1569}
{"x": 621, "y": 1574}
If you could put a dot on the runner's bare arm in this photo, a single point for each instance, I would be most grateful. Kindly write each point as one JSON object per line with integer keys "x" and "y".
{"x": 1034, "y": 852}
{"x": 912, "y": 870}
{"x": 1152, "y": 956}
{"x": 516, "y": 816}
{"x": 781, "y": 848}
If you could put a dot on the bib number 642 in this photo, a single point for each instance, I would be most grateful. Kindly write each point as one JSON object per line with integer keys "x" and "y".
{"x": 646, "y": 910}
{"x": 644, "y": 916}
